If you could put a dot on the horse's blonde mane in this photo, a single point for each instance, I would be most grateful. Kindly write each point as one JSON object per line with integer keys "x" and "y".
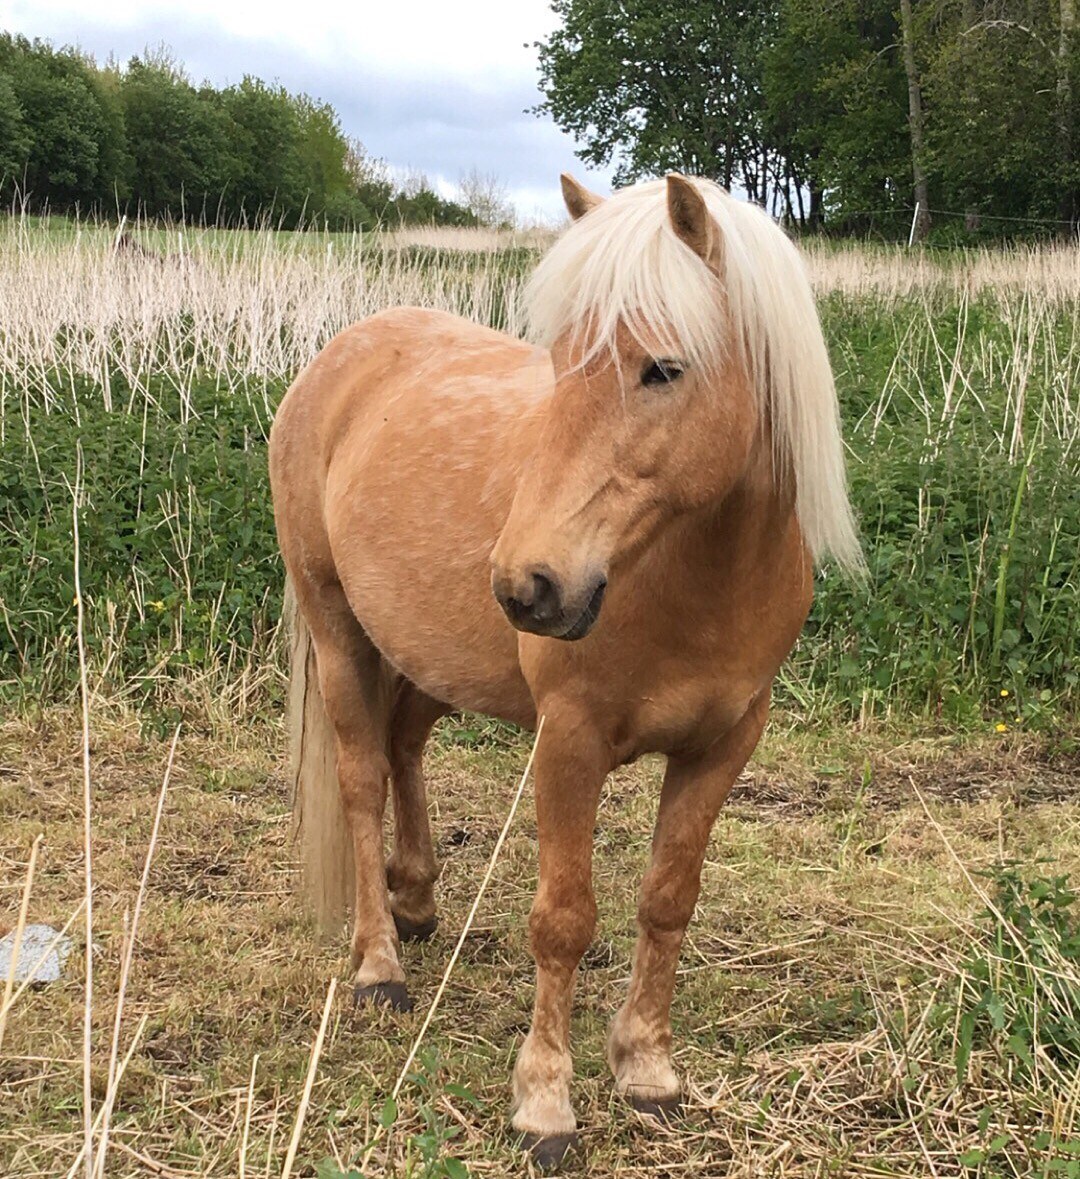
{"x": 622, "y": 264}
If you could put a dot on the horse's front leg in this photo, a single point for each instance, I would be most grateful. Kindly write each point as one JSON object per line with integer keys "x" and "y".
{"x": 639, "y": 1047}
{"x": 571, "y": 764}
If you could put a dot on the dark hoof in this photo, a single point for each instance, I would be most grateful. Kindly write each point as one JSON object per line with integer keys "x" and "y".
{"x": 666, "y": 1109}
{"x": 415, "y": 931}
{"x": 388, "y": 994}
{"x": 548, "y": 1154}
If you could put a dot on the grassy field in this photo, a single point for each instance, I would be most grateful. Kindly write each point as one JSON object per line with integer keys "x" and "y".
{"x": 884, "y": 974}
{"x": 824, "y": 982}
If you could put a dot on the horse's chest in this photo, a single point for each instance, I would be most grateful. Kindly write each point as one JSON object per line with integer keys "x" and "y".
{"x": 680, "y": 714}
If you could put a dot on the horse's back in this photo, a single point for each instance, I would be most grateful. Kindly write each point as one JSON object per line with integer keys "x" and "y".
{"x": 358, "y": 367}
{"x": 394, "y": 458}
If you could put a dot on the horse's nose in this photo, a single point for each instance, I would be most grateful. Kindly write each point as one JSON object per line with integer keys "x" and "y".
{"x": 532, "y": 602}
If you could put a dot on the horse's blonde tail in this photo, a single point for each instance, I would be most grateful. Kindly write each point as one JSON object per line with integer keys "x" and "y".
{"x": 318, "y": 818}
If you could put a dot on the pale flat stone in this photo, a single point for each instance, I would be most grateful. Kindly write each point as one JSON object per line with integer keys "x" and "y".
{"x": 36, "y": 939}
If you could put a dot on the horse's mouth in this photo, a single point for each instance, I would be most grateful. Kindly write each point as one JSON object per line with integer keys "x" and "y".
{"x": 587, "y": 618}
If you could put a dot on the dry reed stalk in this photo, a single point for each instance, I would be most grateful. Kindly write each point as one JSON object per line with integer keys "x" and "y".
{"x": 247, "y": 1118}
{"x": 110, "y": 1095}
{"x": 316, "y": 1052}
{"x": 460, "y": 942}
{"x": 84, "y": 700}
{"x": 125, "y": 969}
{"x": 24, "y": 909}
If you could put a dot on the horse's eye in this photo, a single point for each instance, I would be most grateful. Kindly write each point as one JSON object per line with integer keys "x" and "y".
{"x": 661, "y": 372}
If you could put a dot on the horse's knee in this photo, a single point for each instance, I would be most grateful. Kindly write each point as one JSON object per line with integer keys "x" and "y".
{"x": 667, "y": 902}
{"x": 561, "y": 927}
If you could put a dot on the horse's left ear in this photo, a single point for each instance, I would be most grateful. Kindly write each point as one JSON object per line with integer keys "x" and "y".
{"x": 691, "y": 219}
{"x": 577, "y": 197}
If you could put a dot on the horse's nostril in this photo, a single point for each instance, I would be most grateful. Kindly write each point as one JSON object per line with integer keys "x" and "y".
{"x": 545, "y": 598}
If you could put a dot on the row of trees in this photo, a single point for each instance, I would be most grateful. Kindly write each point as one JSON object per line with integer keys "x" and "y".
{"x": 145, "y": 139}
{"x": 842, "y": 112}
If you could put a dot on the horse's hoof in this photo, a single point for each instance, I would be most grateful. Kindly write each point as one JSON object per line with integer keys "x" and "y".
{"x": 549, "y": 1153}
{"x": 388, "y": 994}
{"x": 664, "y": 1109}
{"x": 415, "y": 931}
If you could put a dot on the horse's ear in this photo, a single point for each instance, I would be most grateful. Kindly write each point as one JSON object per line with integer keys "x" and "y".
{"x": 578, "y": 198}
{"x": 691, "y": 219}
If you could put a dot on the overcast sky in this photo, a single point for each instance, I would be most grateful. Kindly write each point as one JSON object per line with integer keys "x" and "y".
{"x": 433, "y": 85}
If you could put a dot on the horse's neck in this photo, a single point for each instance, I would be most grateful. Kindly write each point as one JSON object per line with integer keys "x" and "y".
{"x": 749, "y": 533}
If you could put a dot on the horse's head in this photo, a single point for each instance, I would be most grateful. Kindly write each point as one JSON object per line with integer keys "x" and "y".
{"x": 650, "y": 417}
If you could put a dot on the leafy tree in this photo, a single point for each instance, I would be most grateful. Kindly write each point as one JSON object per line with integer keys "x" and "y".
{"x": 426, "y": 207}
{"x": 659, "y": 86}
{"x": 14, "y": 134}
{"x": 324, "y": 156}
{"x": 73, "y": 135}
{"x": 269, "y": 173}
{"x": 179, "y": 139}
{"x": 836, "y": 111}
{"x": 993, "y": 133}
{"x": 371, "y": 181}
{"x": 67, "y": 131}
{"x": 115, "y": 165}
{"x": 836, "y": 105}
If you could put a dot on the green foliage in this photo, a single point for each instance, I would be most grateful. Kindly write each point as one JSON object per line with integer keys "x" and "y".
{"x": 835, "y": 94}
{"x": 65, "y": 146}
{"x": 804, "y": 104}
{"x": 179, "y": 141}
{"x": 974, "y": 585}
{"x": 14, "y": 134}
{"x": 1018, "y": 990}
{"x": 993, "y": 82}
{"x": 179, "y": 563}
{"x": 146, "y": 139}
{"x": 427, "y": 1154}
{"x": 265, "y": 126}
{"x": 657, "y": 89}
{"x": 1011, "y": 1018}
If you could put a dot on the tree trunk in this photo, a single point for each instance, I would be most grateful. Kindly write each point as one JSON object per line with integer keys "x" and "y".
{"x": 915, "y": 124}
{"x": 817, "y": 206}
{"x": 1069, "y": 205}
{"x": 798, "y": 198}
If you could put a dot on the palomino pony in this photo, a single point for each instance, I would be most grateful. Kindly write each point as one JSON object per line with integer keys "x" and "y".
{"x": 653, "y": 480}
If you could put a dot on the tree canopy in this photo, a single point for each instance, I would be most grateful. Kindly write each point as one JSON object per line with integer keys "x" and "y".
{"x": 145, "y": 139}
{"x": 830, "y": 110}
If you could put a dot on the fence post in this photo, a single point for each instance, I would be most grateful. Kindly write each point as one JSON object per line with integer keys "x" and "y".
{"x": 914, "y": 222}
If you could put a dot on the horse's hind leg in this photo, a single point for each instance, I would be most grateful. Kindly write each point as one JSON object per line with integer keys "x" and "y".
{"x": 357, "y": 693}
{"x": 639, "y": 1048}
{"x": 412, "y": 871}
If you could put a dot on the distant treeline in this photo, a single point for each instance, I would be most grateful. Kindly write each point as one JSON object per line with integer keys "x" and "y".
{"x": 144, "y": 140}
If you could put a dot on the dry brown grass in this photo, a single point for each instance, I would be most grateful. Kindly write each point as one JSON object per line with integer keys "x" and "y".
{"x": 447, "y": 237}
{"x": 831, "y": 910}
{"x": 1048, "y": 274}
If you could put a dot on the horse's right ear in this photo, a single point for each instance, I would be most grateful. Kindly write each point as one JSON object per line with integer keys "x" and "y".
{"x": 690, "y": 217}
{"x": 577, "y": 197}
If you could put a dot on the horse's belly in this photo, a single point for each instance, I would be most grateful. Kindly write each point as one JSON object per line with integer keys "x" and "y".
{"x": 414, "y": 508}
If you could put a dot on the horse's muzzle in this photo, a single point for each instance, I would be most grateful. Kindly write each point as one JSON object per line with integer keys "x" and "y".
{"x": 537, "y": 605}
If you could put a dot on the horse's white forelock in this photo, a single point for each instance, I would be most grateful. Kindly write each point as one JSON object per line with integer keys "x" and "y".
{"x": 622, "y": 264}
